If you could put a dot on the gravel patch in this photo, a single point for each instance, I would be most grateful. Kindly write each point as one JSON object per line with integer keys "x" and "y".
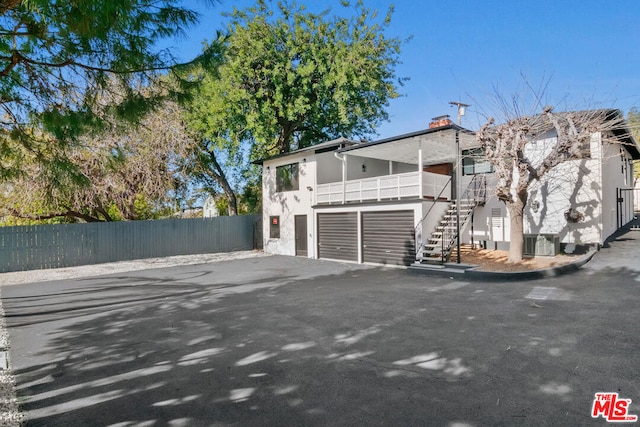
{"x": 10, "y": 416}
{"x": 33, "y": 276}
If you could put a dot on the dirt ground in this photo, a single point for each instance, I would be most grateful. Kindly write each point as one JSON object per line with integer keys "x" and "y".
{"x": 491, "y": 260}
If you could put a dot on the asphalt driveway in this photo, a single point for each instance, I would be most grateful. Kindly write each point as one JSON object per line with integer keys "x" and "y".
{"x": 288, "y": 341}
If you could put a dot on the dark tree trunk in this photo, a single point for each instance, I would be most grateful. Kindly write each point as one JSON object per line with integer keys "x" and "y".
{"x": 233, "y": 203}
{"x": 218, "y": 175}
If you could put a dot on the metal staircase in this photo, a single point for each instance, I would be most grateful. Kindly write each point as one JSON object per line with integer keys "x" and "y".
{"x": 437, "y": 248}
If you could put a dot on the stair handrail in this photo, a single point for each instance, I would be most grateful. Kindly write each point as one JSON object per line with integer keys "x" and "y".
{"x": 476, "y": 191}
{"x": 429, "y": 211}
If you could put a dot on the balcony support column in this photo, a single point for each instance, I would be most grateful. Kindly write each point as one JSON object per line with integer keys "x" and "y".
{"x": 344, "y": 178}
{"x": 420, "y": 167}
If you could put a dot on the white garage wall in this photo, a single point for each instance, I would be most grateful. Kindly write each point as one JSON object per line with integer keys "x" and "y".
{"x": 288, "y": 204}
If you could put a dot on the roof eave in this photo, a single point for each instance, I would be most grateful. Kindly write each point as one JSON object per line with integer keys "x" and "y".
{"x": 409, "y": 135}
{"x": 624, "y": 134}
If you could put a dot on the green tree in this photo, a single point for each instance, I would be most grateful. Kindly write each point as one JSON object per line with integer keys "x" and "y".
{"x": 219, "y": 132}
{"x": 57, "y": 57}
{"x": 251, "y": 197}
{"x": 288, "y": 79}
{"x": 291, "y": 78}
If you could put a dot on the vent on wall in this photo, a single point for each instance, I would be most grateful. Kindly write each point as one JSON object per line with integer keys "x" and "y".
{"x": 541, "y": 244}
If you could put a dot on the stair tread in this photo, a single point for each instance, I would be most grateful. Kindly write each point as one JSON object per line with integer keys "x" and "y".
{"x": 440, "y": 243}
{"x": 434, "y": 252}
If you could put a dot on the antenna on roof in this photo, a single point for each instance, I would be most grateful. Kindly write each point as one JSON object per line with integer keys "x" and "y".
{"x": 461, "y": 109}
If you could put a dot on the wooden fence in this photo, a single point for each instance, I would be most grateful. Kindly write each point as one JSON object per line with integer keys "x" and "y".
{"x": 66, "y": 245}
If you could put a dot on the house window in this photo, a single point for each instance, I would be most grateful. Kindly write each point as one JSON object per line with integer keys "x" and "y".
{"x": 287, "y": 178}
{"x": 586, "y": 150}
{"x": 474, "y": 162}
{"x": 274, "y": 227}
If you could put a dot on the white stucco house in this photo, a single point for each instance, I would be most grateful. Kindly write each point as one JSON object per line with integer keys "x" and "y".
{"x": 209, "y": 208}
{"x": 392, "y": 201}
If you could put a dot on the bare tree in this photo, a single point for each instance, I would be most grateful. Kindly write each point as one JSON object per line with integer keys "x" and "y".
{"x": 115, "y": 174}
{"x": 508, "y": 147}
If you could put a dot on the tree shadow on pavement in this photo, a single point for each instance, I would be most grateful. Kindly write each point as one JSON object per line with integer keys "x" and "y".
{"x": 359, "y": 347}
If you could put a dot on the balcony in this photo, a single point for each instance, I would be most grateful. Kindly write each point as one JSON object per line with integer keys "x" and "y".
{"x": 388, "y": 187}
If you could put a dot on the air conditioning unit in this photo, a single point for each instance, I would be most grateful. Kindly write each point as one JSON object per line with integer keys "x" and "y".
{"x": 541, "y": 244}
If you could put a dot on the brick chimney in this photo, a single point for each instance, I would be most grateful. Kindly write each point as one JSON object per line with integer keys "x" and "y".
{"x": 440, "y": 121}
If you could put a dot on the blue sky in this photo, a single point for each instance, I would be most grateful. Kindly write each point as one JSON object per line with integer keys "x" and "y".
{"x": 587, "y": 51}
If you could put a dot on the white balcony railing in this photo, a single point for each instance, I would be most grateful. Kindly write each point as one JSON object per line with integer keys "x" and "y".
{"x": 387, "y": 187}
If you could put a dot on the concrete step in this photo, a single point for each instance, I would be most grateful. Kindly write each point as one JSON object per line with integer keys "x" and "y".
{"x": 435, "y": 262}
{"x": 434, "y": 270}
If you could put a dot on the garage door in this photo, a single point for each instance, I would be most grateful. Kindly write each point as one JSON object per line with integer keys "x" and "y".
{"x": 338, "y": 236}
{"x": 388, "y": 237}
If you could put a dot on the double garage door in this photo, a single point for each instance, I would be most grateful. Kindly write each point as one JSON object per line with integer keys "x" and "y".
{"x": 388, "y": 237}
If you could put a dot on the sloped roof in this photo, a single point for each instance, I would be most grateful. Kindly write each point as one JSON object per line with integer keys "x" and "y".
{"x": 324, "y": 146}
{"x": 621, "y": 132}
{"x": 624, "y": 135}
{"x": 344, "y": 145}
{"x": 410, "y": 135}
{"x": 619, "y": 126}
